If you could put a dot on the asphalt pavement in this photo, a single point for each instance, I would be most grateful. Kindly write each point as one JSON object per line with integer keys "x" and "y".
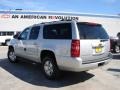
{"x": 28, "y": 76}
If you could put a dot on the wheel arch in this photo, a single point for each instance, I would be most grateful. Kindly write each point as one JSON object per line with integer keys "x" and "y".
{"x": 10, "y": 47}
{"x": 47, "y": 53}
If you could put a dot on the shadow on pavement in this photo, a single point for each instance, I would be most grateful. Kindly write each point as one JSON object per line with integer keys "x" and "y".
{"x": 32, "y": 74}
{"x": 116, "y": 56}
{"x": 115, "y": 70}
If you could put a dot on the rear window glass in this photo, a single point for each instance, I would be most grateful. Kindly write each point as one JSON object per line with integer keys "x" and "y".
{"x": 91, "y": 31}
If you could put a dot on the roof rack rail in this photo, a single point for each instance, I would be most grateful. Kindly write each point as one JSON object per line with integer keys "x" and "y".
{"x": 67, "y": 20}
{"x": 43, "y": 22}
{"x": 54, "y": 21}
{"x": 48, "y": 22}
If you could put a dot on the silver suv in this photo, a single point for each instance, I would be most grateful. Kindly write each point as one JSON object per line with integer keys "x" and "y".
{"x": 62, "y": 45}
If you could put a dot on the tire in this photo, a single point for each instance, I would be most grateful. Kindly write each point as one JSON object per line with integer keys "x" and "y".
{"x": 11, "y": 56}
{"x": 50, "y": 68}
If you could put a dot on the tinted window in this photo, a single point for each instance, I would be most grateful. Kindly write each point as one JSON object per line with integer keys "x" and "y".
{"x": 57, "y": 31}
{"x": 91, "y": 31}
{"x": 6, "y": 33}
{"x": 0, "y": 33}
{"x": 24, "y": 34}
{"x": 34, "y": 33}
{"x": 3, "y": 33}
{"x": 10, "y": 33}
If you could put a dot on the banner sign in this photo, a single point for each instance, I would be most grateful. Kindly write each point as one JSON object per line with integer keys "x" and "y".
{"x": 26, "y": 16}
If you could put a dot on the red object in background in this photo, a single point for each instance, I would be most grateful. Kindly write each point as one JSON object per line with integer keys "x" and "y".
{"x": 5, "y": 16}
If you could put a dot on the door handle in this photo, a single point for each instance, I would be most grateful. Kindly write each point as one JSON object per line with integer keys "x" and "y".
{"x": 25, "y": 49}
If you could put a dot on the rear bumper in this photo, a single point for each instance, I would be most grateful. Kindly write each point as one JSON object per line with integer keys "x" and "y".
{"x": 76, "y": 65}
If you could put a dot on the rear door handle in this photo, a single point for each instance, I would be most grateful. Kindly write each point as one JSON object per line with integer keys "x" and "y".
{"x": 103, "y": 40}
{"x": 25, "y": 49}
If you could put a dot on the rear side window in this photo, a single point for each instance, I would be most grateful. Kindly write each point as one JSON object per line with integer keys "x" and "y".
{"x": 34, "y": 33}
{"x": 92, "y": 31}
{"x": 57, "y": 31}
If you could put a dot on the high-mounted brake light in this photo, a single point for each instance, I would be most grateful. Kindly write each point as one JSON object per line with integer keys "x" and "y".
{"x": 75, "y": 48}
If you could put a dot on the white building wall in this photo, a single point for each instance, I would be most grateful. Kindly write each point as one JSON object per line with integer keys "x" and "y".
{"x": 111, "y": 25}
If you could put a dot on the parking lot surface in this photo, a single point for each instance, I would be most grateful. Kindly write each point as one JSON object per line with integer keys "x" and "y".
{"x": 28, "y": 76}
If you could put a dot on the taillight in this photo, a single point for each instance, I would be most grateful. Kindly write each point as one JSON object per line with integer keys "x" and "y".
{"x": 75, "y": 48}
